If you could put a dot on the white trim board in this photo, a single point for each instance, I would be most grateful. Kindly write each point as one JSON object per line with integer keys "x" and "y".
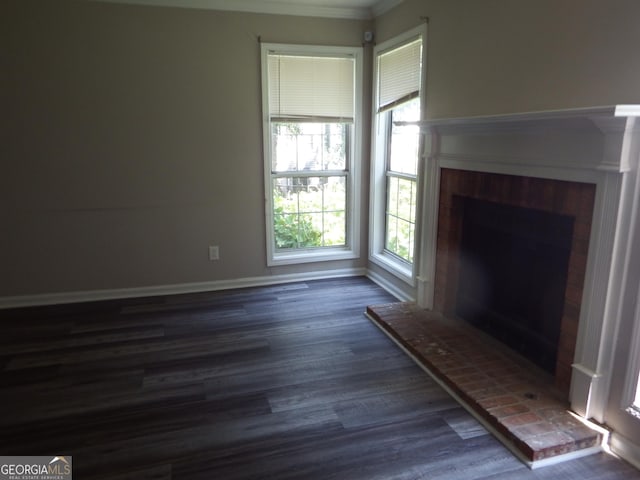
{"x": 176, "y": 289}
{"x": 397, "y": 292}
{"x": 356, "y": 10}
{"x": 621, "y": 446}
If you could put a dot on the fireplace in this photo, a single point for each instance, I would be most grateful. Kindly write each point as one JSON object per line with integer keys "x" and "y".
{"x": 578, "y": 163}
{"x": 511, "y": 258}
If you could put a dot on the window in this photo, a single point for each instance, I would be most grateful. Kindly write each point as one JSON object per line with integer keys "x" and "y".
{"x": 398, "y": 78}
{"x": 401, "y": 170}
{"x": 311, "y": 140}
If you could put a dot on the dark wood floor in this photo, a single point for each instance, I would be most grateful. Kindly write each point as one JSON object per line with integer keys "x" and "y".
{"x": 284, "y": 382}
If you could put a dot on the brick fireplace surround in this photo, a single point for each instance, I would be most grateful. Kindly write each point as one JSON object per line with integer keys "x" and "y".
{"x": 564, "y": 162}
{"x": 567, "y": 198}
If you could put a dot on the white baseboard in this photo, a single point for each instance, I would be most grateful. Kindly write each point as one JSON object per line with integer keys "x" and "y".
{"x": 151, "y": 291}
{"x": 390, "y": 287}
{"x": 625, "y": 449}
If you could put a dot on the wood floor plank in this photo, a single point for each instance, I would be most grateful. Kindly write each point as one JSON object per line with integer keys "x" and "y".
{"x": 463, "y": 424}
{"x": 210, "y": 437}
{"x": 154, "y": 472}
{"x": 82, "y": 340}
{"x": 74, "y": 400}
{"x": 370, "y": 410}
{"x": 113, "y": 427}
{"x": 209, "y": 343}
{"x": 347, "y": 387}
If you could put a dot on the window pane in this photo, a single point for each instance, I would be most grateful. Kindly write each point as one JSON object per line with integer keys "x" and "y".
{"x": 400, "y": 217}
{"x": 406, "y": 199}
{"x": 392, "y": 233}
{"x": 334, "y": 228}
{"x": 291, "y": 231}
{"x": 392, "y": 195}
{"x": 405, "y": 139}
{"x": 405, "y": 240}
{"x": 400, "y": 237}
{"x": 283, "y": 191}
{"x": 309, "y": 146}
{"x": 309, "y": 211}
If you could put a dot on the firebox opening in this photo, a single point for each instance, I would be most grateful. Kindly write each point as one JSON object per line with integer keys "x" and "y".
{"x": 513, "y": 275}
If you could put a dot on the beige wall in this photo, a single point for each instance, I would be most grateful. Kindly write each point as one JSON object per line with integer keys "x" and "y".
{"x": 504, "y": 56}
{"x": 131, "y": 136}
{"x": 134, "y": 141}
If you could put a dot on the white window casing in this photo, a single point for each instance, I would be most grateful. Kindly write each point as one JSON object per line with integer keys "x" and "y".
{"x": 398, "y": 77}
{"x": 303, "y": 85}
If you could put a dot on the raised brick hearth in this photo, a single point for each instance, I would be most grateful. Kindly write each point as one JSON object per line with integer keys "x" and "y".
{"x": 513, "y": 398}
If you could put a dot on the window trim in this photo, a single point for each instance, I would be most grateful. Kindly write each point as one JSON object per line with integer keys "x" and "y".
{"x": 353, "y": 169}
{"x": 379, "y": 157}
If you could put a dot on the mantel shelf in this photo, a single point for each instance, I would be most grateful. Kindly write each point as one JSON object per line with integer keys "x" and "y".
{"x": 607, "y": 119}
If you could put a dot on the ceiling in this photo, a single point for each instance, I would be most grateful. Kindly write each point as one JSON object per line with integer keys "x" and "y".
{"x": 357, "y": 9}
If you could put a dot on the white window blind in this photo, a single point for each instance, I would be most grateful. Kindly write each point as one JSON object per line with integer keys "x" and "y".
{"x": 399, "y": 75}
{"x": 316, "y": 88}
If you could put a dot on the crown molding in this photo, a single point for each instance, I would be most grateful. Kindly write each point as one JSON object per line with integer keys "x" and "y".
{"x": 383, "y": 6}
{"x": 272, "y": 8}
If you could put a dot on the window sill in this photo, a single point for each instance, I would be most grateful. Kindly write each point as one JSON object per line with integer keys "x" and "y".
{"x": 394, "y": 266}
{"x": 308, "y": 256}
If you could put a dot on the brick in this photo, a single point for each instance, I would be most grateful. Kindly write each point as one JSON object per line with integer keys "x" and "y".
{"x": 489, "y": 391}
{"x": 554, "y": 441}
{"x": 521, "y": 419}
{"x": 530, "y": 430}
{"x": 499, "y": 401}
{"x": 461, "y": 370}
{"x": 471, "y": 388}
{"x": 508, "y": 411}
{"x": 582, "y": 228}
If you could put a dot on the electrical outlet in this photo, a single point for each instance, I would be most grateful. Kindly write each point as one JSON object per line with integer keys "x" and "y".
{"x": 214, "y": 252}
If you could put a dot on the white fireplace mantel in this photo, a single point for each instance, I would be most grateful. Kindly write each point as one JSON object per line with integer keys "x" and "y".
{"x": 592, "y": 145}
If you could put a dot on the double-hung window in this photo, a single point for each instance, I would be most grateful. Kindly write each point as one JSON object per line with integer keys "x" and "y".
{"x": 398, "y": 79}
{"x": 311, "y": 146}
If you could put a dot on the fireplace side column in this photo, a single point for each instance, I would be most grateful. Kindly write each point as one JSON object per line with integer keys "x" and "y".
{"x": 430, "y": 193}
{"x": 594, "y": 359}
{"x": 588, "y": 384}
